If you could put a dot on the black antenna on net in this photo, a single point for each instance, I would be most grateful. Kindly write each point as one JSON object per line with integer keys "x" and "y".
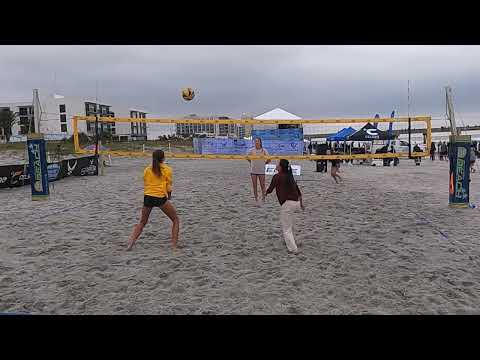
{"x": 409, "y": 123}
{"x": 96, "y": 124}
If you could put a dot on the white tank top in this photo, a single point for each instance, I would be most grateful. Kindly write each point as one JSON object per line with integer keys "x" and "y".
{"x": 257, "y": 166}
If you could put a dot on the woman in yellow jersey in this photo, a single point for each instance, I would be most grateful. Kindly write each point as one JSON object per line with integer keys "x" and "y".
{"x": 157, "y": 191}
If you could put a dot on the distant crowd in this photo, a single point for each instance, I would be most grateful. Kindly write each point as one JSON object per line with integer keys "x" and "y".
{"x": 443, "y": 147}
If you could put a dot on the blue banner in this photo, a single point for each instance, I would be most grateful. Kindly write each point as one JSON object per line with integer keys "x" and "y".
{"x": 53, "y": 170}
{"x": 293, "y": 134}
{"x": 241, "y": 146}
{"x": 38, "y": 168}
{"x": 459, "y": 188}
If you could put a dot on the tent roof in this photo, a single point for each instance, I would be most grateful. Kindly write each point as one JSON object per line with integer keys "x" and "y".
{"x": 342, "y": 134}
{"x": 277, "y": 114}
{"x": 370, "y": 133}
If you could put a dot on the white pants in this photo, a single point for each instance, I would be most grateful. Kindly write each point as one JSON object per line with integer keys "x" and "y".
{"x": 286, "y": 219}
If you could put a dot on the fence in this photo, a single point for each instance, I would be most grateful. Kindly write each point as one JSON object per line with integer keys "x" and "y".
{"x": 47, "y": 137}
{"x": 205, "y": 146}
{"x": 18, "y": 175}
{"x": 294, "y": 134}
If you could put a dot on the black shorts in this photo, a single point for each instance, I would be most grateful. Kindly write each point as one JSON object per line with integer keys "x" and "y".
{"x": 153, "y": 201}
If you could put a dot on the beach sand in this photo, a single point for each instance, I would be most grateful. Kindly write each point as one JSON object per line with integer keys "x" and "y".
{"x": 371, "y": 245}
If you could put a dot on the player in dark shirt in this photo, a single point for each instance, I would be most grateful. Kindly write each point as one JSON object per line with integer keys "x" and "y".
{"x": 334, "y": 169}
{"x": 289, "y": 197}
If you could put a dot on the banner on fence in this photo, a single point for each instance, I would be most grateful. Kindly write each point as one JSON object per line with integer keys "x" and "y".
{"x": 14, "y": 175}
{"x": 19, "y": 175}
{"x": 294, "y": 134}
{"x": 242, "y": 146}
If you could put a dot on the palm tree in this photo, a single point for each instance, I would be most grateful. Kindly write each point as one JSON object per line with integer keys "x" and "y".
{"x": 7, "y": 120}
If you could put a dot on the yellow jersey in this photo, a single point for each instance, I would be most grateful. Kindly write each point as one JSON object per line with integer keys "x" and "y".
{"x": 158, "y": 186}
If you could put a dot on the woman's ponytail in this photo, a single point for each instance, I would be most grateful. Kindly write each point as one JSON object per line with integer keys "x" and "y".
{"x": 157, "y": 158}
{"x": 287, "y": 169}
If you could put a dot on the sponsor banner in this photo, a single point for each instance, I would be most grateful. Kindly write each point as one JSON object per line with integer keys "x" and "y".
{"x": 459, "y": 184}
{"x": 270, "y": 169}
{"x": 224, "y": 146}
{"x": 242, "y": 146}
{"x": 83, "y": 166}
{"x": 14, "y": 175}
{"x": 294, "y": 134}
{"x": 53, "y": 170}
{"x": 86, "y": 166}
{"x": 38, "y": 168}
{"x": 279, "y": 147}
{"x": 19, "y": 175}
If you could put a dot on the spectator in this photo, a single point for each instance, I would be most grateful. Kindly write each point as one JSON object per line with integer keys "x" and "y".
{"x": 432, "y": 151}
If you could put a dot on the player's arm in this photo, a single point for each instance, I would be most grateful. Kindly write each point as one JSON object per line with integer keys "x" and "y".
{"x": 266, "y": 154}
{"x": 169, "y": 184}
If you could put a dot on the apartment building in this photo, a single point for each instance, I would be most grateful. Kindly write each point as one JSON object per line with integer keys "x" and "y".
{"x": 210, "y": 130}
{"x": 57, "y": 113}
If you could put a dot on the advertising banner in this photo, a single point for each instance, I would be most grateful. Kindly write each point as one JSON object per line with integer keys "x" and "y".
{"x": 84, "y": 166}
{"x": 241, "y": 146}
{"x": 19, "y": 175}
{"x": 295, "y": 134}
{"x": 459, "y": 184}
{"x": 14, "y": 175}
{"x": 38, "y": 167}
{"x": 270, "y": 169}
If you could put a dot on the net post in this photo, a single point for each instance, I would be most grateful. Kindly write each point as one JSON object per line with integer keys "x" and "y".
{"x": 75, "y": 135}
{"x": 409, "y": 137}
{"x": 100, "y": 159}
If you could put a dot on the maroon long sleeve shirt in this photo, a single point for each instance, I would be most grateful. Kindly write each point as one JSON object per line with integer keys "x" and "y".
{"x": 284, "y": 192}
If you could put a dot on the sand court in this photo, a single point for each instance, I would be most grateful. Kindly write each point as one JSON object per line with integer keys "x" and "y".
{"x": 372, "y": 244}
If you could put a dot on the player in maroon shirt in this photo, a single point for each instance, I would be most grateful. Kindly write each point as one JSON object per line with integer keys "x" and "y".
{"x": 289, "y": 197}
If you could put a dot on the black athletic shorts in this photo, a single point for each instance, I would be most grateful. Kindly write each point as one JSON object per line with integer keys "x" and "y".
{"x": 153, "y": 201}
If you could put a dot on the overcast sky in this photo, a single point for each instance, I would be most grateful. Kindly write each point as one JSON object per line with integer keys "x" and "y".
{"x": 310, "y": 81}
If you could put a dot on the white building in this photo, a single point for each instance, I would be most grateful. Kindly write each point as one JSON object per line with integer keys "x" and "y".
{"x": 57, "y": 113}
{"x": 225, "y": 130}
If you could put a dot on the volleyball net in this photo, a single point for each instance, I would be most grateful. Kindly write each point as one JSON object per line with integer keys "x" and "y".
{"x": 345, "y": 138}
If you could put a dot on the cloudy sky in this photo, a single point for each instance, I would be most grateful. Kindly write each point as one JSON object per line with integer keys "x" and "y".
{"x": 310, "y": 81}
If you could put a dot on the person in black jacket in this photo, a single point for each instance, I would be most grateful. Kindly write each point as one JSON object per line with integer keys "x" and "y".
{"x": 418, "y": 159}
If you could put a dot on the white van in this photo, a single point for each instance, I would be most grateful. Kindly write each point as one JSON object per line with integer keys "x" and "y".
{"x": 398, "y": 145}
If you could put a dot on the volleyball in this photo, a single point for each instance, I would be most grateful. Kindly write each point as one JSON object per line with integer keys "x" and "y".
{"x": 188, "y": 94}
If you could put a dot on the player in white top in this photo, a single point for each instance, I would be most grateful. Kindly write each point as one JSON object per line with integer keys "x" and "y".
{"x": 257, "y": 168}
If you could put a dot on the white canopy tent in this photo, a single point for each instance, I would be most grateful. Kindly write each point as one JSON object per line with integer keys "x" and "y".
{"x": 275, "y": 114}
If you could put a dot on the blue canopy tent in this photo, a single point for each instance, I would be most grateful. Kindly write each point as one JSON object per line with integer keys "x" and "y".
{"x": 342, "y": 134}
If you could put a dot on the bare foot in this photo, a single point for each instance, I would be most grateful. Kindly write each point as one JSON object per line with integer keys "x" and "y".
{"x": 131, "y": 242}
